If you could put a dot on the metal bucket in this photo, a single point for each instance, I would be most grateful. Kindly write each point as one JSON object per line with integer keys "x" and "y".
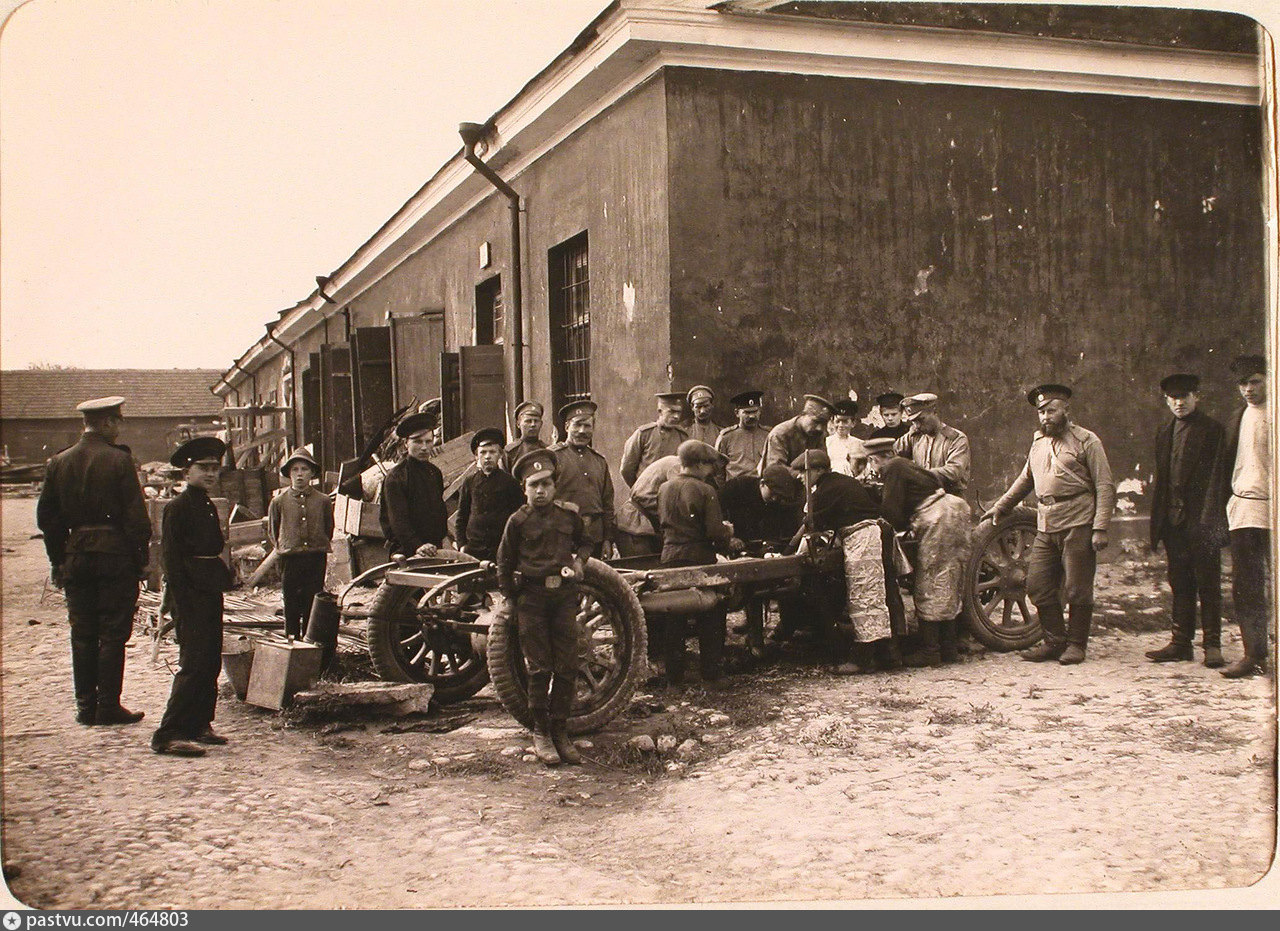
{"x": 237, "y": 662}
{"x": 322, "y": 626}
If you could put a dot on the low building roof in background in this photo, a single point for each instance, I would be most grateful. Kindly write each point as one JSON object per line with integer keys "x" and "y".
{"x": 52, "y": 394}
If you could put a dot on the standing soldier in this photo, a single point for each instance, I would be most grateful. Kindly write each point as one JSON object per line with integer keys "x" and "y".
{"x": 96, "y": 532}
{"x": 806, "y": 430}
{"x": 890, "y": 406}
{"x": 196, "y": 576}
{"x": 703, "y": 428}
{"x": 528, "y": 418}
{"x": 1186, "y": 447}
{"x": 1241, "y": 492}
{"x": 744, "y": 443}
{"x": 940, "y": 449}
{"x": 582, "y": 476}
{"x": 412, "y": 513}
{"x": 1068, "y": 470}
{"x": 654, "y": 440}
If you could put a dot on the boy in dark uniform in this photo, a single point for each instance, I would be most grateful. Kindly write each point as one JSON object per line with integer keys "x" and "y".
{"x": 411, "y": 511}
{"x": 540, "y": 560}
{"x": 487, "y": 498}
{"x": 192, "y": 542}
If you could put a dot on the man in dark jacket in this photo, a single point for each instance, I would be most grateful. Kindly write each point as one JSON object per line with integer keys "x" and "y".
{"x": 412, "y": 512}
{"x": 1186, "y": 447}
{"x": 96, "y": 532}
{"x": 487, "y": 498}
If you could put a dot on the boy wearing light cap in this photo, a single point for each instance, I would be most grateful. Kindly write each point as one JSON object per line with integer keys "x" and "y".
{"x": 300, "y": 528}
{"x": 541, "y": 558}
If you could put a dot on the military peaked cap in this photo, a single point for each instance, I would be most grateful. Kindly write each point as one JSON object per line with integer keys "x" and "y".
{"x": 878, "y": 444}
{"x": 535, "y": 464}
{"x": 1041, "y": 394}
{"x": 487, "y": 435}
{"x": 527, "y": 406}
{"x": 699, "y": 389}
{"x": 100, "y": 405}
{"x": 573, "y": 407}
{"x": 747, "y": 399}
{"x": 820, "y": 400}
{"x": 696, "y": 452}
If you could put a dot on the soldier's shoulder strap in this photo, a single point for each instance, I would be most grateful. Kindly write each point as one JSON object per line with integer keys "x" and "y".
{"x": 569, "y": 506}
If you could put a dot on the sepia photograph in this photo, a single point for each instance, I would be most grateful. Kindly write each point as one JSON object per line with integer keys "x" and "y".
{"x": 542, "y": 454}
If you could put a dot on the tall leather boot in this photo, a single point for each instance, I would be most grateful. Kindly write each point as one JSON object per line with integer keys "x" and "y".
{"x": 84, "y": 674}
{"x": 1077, "y": 635}
{"x": 543, "y": 748}
{"x": 1055, "y": 638}
{"x": 948, "y": 641}
{"x": 562, "y": 689}
{"x": 930, "y": 653}
{"x": 888, "y": 654}
{"x": 110, "y": 682}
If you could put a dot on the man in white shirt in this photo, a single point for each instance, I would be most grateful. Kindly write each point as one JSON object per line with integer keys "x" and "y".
{"x": 1242, "y": 489}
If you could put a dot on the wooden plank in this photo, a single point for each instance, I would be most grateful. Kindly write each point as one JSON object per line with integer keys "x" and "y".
{"x": 247, "y": 531}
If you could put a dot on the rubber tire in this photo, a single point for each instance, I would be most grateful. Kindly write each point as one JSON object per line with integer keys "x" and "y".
{"x": 388, "y": 604}
{"x": 506, "y": 663}
{"x": 983, "y": 536}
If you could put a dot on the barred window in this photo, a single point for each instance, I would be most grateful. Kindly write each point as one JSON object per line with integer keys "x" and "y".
{"x": 570, "y": 316}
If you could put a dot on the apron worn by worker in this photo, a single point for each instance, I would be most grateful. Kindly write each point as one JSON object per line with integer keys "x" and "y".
{"x": 865, "y": 581}
{"x": 941, "y": 524}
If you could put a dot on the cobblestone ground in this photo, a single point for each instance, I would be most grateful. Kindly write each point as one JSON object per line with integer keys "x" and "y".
{"x": 988, "y": 778}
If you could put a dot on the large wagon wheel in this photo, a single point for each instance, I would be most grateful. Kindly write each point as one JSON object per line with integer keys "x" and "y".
{"x": 995, "y": 592}
{"x": 611, "y": 662}
{"x": 408, "y": 642}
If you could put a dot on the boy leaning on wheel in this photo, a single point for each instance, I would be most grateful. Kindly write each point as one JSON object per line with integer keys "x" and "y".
{"x": 541, "y": 558}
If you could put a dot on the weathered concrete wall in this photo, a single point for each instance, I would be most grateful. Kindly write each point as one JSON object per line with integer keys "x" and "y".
{"x": 831, "y": 234}
{"x": 609, "y": 179}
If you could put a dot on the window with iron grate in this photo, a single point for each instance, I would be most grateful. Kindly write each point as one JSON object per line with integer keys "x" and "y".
{"x": 570, "y": 316}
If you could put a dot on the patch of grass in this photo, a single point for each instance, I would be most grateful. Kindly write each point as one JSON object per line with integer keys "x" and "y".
{"x": 898, "y": 703}
{"x": 837, "y": 734}
{"x": 977, "y": 714}
{"x": 1190, "y": 736}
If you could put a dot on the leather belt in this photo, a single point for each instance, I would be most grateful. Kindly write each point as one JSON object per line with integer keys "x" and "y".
{"x": 1058, "y": 499}
{"x": 94, "y": 527}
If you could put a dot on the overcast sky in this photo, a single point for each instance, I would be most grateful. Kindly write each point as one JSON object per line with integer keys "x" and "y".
{"x": 175, "y": 172}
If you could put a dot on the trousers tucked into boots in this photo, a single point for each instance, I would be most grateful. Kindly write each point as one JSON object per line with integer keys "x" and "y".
{"x": 102, "y": 592}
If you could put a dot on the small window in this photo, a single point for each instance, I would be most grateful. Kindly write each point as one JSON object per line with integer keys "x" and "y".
{"x": 570, "y": 316}
{"x": 489, "y": 315}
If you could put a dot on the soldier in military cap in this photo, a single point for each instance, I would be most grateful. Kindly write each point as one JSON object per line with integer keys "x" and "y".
{"x": 195, "y": 576}
{"x": 412, "y": 512}
{"x": 701, "y": 399}
{"x": 1186, "y": 446}
{"x": 487, "y": 498}
{"x": 744, "y": 443}
{"x": 806, "y": 430}
{"x": 890, "y": 406}
{"x": 654, "y": 440}
{"x": 583, "y": 476}
{"x": 1068, "y": 470}
{"x": 940, "y": 449}
{"x": 541, "y": 558}
{"x": 96, "y": 532}
{"x": 528, "y": 418}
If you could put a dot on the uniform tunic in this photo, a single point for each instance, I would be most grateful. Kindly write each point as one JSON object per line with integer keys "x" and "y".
{"x": 515, "y": 450}
{"x": 786, "y": 441}
{"x": 96, "y": 532}
{"x": 647, "y": 445}
{"x": 945, "y": 453}
{"x": 707, "y": 432}
{"x": 412, "y": 510}
{"x": 192, "y": 543}
{"x": 744, "y": 446}
{"x": 583, "y": 478}
{"x": 914, "y": 497}
{"x": 484, "y": 504}
{"x": 638, "y": 515}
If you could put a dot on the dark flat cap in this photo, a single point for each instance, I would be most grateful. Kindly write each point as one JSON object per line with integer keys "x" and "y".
{"x": 488, "y": 435}
{"x": 889, "y": 399}
{"x": 201, "y": 449}
{"x": 1179, "y": 385}
{"x": 846, "y": 408}
{"x": 535, "y": 464}
{"x": 696, "y": 452}
{"x": 811, "y": 459}
{"x": 1047, "y": 392}
{"x": 1245, "y": 366}
{"x": 416, "y": 423}
{"x": 747, "y": 399}
{"x": 574, "y": 407}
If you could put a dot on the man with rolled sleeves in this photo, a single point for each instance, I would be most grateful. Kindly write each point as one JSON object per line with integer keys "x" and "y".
{"x": 96, "y": 532}
{"x": 654, "y": 440}
{"x": 744, "y": 443}
{"x": 1186, "y": 447}
{"x": 528, "y": 418}
{"x": 701, "y": 399}
{"x": 411, "y": 511}
{"x": 806, "y": 430}
{"x": 941, "y": 450}
{"x": 1068, "y": 470}
{"x": 582, "y": 476}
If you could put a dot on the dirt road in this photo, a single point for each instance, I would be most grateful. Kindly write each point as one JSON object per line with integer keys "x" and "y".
{"x": 993, "y": 777}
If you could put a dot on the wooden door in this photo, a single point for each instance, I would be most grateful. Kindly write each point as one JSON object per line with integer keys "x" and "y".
{"x": 481, "y": 374}
{"x": 371, "y": 348}
{"x": 416, "y": 345}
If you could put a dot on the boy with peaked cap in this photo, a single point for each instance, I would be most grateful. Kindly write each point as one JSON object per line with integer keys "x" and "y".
{"x": 528, "y": 418}
{"x": 1186, "y": 447}
{"x": 933, "y": 445}
{"x": 541, "y": 559}
{"x": 692, "y": 531}
{"x": 1068, "y": 470}
{"x": 582, "y": 475}
{"x": 1241, "y": 493}
{"x": 845, "y": 449}
{"x": 889, "y": 405}
{"x": 744, "y": 443}
{"x": 702, "y": 428}
{"x": 300, "y": 528}
{"x": 411, "y": 510}
{"x": 487, "y": 498}
{"x": 96, "y": 532}
{"x": 192, "y": 542}
{"x": 806, "y": 430}
{"x": 654, "y": 440}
